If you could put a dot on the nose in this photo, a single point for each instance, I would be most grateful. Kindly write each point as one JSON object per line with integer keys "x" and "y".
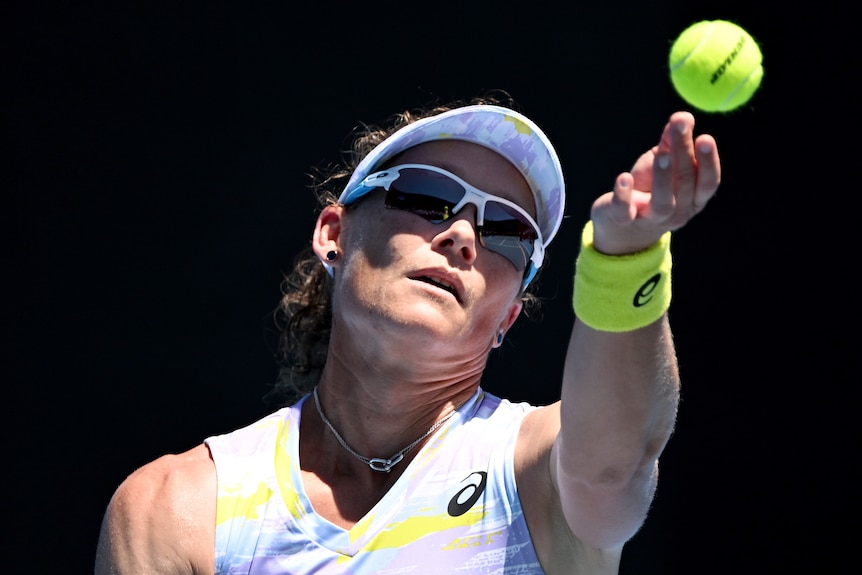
{"x": 458, "y": 237}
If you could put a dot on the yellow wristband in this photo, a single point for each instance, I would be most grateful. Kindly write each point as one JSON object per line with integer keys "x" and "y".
{"x": 621, "y": 293}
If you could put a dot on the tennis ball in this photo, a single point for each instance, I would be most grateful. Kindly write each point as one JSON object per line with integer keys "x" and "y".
{"x": 715, "y": 65}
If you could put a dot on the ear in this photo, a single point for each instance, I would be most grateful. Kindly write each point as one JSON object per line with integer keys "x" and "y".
{"x": 512, "y": 314}
{"x": 327, "y": 233}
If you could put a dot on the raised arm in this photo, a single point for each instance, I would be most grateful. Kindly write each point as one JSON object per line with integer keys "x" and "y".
{"x": 621, "y": 385}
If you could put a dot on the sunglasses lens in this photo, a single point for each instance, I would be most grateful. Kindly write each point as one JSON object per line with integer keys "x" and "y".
{"x": 513, "y": 249}
{"x": 503, "y": 220}
{"x": 425, "y": 193}
{"x": 507, "y": 232}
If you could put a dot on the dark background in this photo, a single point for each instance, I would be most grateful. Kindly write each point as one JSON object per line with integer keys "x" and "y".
{"x": 155, "y": 191}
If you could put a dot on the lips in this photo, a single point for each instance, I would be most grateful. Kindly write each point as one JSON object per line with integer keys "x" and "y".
{"x": 442, "y": 281}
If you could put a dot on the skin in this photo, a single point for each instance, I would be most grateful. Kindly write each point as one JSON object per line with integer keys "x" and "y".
{"x": 591, "y": 459}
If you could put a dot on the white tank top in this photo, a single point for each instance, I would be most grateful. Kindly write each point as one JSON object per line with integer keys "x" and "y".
{"x": 455, "y": 509}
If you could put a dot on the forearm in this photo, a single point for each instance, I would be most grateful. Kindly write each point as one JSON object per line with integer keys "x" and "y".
{"x": 619, "y": 400}
{"x": 618, "y": 409}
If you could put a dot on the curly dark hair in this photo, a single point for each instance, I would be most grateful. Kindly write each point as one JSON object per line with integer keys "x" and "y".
{"x": 304, "y": 314}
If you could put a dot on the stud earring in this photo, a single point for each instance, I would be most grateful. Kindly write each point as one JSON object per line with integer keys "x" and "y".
{"x": 331, "y": 255}
{"x": 500, "y": 338}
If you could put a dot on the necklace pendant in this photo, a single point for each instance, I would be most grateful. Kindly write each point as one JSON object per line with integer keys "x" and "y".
{"x": 384, "y": 465}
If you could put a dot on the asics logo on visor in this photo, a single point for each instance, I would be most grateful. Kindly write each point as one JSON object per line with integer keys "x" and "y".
{"x": 436, "y": 195}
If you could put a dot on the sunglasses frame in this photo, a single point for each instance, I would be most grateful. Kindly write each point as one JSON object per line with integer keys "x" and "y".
{"x": 472, "y": 195}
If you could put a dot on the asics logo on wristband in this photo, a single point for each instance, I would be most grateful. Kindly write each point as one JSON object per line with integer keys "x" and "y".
{"x": 646, "y": 292}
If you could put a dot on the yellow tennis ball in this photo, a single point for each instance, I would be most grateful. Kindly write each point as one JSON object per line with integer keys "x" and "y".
{"x": 715, "y": 65}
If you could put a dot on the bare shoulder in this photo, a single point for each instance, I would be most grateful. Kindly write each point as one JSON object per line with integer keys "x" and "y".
{"x": 161, "y": 519}
{"x": 559, "y": 550}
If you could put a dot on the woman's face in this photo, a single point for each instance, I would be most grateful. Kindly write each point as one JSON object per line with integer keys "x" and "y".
{"x": 405, "y": 275}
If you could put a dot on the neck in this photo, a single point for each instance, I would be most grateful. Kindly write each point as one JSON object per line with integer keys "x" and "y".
{"x": 382, "y": 425}
{"x": 381, "y": 464}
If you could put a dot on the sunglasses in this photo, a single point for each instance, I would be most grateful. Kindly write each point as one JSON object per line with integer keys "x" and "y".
{"x": 436, "y": 195}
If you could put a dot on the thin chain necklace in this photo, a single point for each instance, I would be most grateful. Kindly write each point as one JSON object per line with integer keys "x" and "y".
{"x": 376, "y": 463}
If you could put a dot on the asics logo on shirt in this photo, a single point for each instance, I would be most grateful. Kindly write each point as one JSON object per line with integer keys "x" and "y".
{"x": 473, "y": 486}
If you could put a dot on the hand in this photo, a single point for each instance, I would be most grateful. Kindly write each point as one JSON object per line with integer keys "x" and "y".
{"x": 668, "y": 185}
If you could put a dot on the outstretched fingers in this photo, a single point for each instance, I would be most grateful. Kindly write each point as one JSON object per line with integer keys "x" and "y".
{"x": 668, "y": 185}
